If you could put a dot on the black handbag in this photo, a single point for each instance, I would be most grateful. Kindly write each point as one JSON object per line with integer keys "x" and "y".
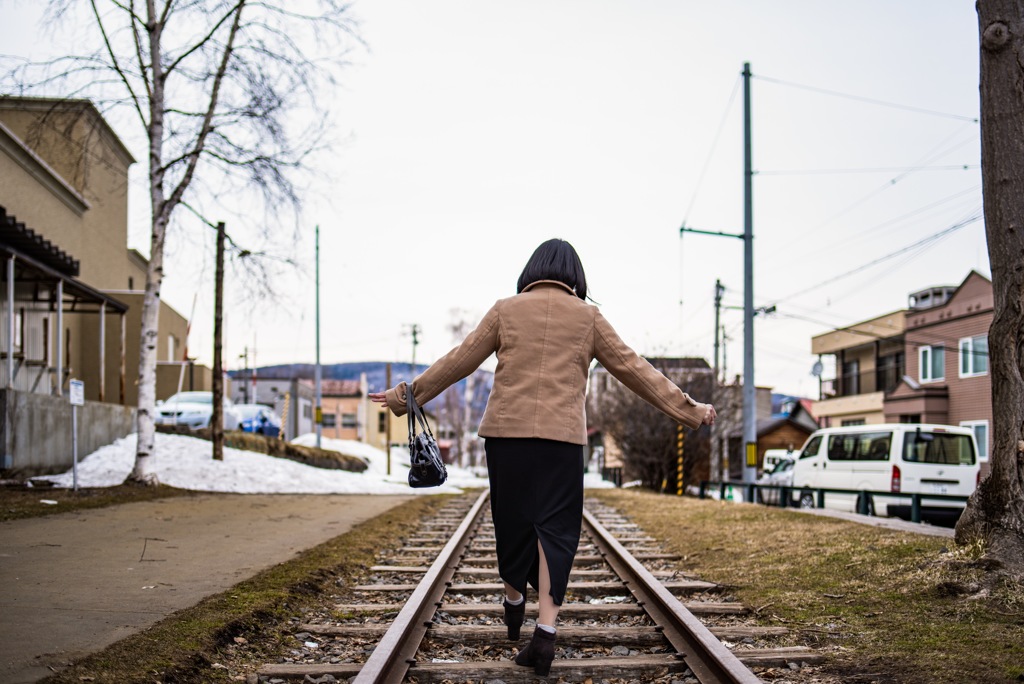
{"x": 426, "y": 469}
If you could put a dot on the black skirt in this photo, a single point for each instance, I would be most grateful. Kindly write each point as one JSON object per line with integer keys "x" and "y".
{"x": 536, "y": 493}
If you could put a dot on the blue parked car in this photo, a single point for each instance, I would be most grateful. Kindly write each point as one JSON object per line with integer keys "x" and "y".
{"x": 259, "y": 419}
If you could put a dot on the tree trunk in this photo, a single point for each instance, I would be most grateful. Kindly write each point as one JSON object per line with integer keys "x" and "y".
{"x": 995, "y": 513}
{"x": 149, "y": 334}
{"x": 143, "y": 471}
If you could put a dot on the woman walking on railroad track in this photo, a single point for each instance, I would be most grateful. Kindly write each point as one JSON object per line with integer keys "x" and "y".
{"x": 534, "y": 426}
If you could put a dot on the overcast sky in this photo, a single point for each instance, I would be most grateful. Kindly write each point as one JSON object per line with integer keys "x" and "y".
{"x": 475, "y": 130}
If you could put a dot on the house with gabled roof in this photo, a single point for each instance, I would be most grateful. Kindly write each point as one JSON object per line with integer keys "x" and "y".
{"x": 927, "y": 363}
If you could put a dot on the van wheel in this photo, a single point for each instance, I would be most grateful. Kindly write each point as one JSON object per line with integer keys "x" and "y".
{"x": 807, "y": 500}
{"x": 870, "y": 503}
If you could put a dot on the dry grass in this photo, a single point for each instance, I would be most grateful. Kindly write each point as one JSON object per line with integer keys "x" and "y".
{"x": 886, "y": 605}
{"x": 28, "y": 502}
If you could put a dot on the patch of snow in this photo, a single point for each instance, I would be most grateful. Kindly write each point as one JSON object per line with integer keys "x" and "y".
{"x": 187, "y": 463}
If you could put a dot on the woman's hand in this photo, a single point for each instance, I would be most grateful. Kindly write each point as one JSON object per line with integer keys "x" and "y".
{"x": 378, "y": 398}
{"x": 709, "y": 417}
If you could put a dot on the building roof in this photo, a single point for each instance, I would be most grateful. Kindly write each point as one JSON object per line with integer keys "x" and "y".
{"x": 340, "y": 388}
{"x": 687, "y": 363}
{"x": 28, "y": 242}
{"x": 57, "y": 104}
{"x": 886, "y": 326}
{"x": 39, "y": 260}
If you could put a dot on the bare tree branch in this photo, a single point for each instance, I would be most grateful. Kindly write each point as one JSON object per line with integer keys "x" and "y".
{"x": 115, "y": 62}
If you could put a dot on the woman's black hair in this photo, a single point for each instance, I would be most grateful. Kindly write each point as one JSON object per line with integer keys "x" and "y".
{"x": 555, "y": 260}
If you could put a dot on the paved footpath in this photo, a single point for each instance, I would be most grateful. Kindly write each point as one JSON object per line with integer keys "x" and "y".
{"x": 72, "y": 584}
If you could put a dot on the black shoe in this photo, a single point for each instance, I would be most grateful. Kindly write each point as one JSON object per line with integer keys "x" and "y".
{"x": 539, "y": 653}
{"x": 514, "y": 615}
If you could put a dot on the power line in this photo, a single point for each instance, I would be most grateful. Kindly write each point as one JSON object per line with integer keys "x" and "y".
{"x": 868, "y": 100}
{"x": 868, "y": 233}
{"x": 881, "y": 169}
{"x": 925, "y": 338}
{"x": 711, "y": 152}
{"x": 935, "y": 236}
{"x": 935, "y": 153}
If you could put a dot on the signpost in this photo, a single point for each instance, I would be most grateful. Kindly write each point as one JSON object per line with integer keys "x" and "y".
{"x": 76, "y": 395}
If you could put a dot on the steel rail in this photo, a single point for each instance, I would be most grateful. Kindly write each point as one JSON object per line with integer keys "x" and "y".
{"x": 391, "y": 659}
{"x": 709, "y": 660}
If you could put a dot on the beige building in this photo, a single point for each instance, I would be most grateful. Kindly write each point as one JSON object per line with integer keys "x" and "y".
{"x": 869, "y": 361}
{"x": 343, "y": 404}
{"x": 77, "y": 288}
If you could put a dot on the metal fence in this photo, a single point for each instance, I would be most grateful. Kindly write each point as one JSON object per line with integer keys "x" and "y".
{"x": 753, "y": 492}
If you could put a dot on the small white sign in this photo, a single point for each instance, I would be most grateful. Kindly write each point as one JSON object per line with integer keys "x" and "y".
{"x": 76, "y": 392}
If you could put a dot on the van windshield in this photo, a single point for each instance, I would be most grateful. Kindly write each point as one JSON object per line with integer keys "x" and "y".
{"x": 933, "y": 447}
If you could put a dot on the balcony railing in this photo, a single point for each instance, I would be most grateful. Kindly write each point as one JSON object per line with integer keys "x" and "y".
{"x": 883, "y": 379}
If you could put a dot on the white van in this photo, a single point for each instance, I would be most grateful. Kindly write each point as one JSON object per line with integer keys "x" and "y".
{"x": 908, "y": 458}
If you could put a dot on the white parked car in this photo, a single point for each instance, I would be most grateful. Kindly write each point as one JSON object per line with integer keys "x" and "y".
{"x": 781, "y": 474}
{"x": 903, "y": 458}
{"x": 194, "y": 410}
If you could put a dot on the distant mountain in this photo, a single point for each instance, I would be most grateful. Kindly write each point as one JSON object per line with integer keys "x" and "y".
{"x": 376, "y": 372}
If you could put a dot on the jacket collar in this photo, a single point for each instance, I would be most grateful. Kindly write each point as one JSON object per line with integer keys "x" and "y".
{"x": 557, "y": 283}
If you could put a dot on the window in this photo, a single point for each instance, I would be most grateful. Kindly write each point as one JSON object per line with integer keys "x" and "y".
{"x": 330, "y": 420}
{"x": 851, "y": 378}
{"x": 910, "y": 417}
{"x": 980, "y": 428}
{"x": 382, "y": 421}
{"x": 812, "y": 448}
{"x": 934, "y": 447}
{"x": 933, "y": 364}
{"x": 852, "y": 421}
{"x": 19, "y": 330}
{"x": 349, "y": 420}
{"x": 973, "y": 356}
{"x": 859, "y": 446}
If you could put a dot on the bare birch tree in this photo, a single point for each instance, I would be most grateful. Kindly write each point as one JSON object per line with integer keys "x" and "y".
{"x": 228, "y": 91}
{"x": 995, "y": 513}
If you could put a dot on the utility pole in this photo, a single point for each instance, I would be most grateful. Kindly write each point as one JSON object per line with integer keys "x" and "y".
{"x": 719, "y": 291}
{"x": 716, "y": 446}
{"x": 245, "y": 372}
{"x": 387, "y": 417}
{"x": 319, "y": 413}
{"x": 415, "y": 341}
{"x": 749, "y": 388}
{"x": 217, "y": 417}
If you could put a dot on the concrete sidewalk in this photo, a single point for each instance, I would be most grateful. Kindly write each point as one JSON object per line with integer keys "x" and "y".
{"x": 74, "y": 583}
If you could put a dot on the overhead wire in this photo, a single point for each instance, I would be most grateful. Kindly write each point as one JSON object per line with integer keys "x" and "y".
{"x": 874, "y": 262}
{"x": 879, "y": 169}
{"x": 935, "y": 153}
{"x": 868, "y": 100}
{"x": 714, "y": 146}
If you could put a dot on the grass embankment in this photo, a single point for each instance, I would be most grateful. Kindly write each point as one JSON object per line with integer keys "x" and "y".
{"x": 184, "y": 647}
{"x": 28, "y": 502}
{"x": 886, "y": 606}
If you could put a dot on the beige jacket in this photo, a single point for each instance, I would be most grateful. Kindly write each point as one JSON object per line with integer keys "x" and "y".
{"x": 545, "y": 339}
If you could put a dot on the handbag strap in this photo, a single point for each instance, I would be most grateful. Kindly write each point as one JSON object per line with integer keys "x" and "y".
{"x": 415, "y": 413}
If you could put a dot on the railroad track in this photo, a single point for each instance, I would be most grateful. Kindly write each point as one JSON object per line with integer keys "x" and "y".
{"x": 432, "y": 613}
